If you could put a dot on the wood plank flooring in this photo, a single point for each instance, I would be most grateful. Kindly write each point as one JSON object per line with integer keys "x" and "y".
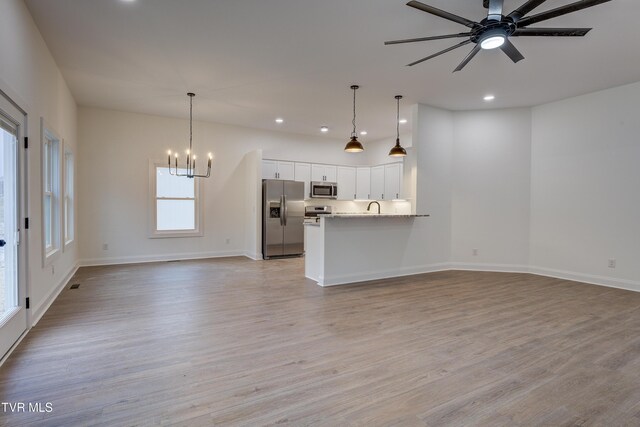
{"x": 239, "y": 342}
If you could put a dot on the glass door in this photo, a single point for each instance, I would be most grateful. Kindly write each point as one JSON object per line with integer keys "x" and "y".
{"x": 13, "y": 317}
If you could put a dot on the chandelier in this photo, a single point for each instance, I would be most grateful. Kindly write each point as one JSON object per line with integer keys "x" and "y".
{"x": 190, "y": 168}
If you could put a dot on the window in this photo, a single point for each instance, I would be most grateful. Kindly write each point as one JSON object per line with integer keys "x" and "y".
{"x": 50, "y": 194}
{"x": 176, "y": 205}
{"x": 68, "y": 208}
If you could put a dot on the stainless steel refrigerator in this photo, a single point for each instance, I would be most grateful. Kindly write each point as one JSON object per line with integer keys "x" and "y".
{"x": 282, "y": 218}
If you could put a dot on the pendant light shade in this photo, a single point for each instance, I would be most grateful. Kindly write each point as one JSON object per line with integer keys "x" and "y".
{"x": 354, "y": 146}
{"x": 397, "y": 150}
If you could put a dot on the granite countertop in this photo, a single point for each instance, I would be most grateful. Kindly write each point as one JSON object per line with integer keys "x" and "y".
{"x": 372, "y": 215}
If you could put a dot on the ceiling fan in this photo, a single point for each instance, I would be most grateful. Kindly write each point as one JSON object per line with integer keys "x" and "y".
{"x": 495, "y": 30}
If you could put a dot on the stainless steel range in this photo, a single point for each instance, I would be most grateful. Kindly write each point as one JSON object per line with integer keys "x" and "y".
{"x": 312, "y": 214}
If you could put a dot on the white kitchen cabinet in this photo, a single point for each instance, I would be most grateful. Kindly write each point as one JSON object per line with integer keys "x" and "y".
{"x": 363, "y": 183}
{"x": 302, "y": 173}
{"x": 346, "y": 179}
{"x": 377, "y": 183}
{"x": 275, "y": 169}
{"x": 393, "y": 181}
{"x": 327, "y": 173}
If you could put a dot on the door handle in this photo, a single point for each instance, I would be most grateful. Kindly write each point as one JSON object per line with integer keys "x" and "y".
{"x": 2, "y": 243}
{"x": 282, "y": 210}
{"x": 285, "y": 210}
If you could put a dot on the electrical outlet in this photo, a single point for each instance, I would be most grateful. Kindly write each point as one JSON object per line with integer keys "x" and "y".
{"x": 474, "y": 252}
{"x": 228, "y": 240}
{"x": 105, "y": 246}
{"x": 612, "y": 263}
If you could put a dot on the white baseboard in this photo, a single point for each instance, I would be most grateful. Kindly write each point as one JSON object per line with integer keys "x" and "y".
{"x": 610, "y": 282}
{"x": 253, "y": 255}
{"x": 38, "y": 311}
{"x": 381, "y": 274}
{"x": 140, "y": 259}
{"x": 500, "y": 268}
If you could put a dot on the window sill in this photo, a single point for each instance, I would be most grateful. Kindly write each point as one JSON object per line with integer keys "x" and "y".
{"x": 50, "y": 257}
{"x": 175, "y": 234}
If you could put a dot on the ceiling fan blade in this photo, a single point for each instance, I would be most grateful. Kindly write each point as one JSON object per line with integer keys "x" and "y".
{"x": 424, "y": 39}
{"x": 562, "y": 10}
{"x": 517, "y": 14}
{"x": 495, "y": 10}
{"x": 511, "y": 51}
{"x": 468, "y": 58}
{"x": 440, "y": 53}
{"x": 551, "y": 32}
{"x": 442, "y": 14}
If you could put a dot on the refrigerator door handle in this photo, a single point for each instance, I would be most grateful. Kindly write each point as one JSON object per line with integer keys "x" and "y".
{"x": 284, "y": 208}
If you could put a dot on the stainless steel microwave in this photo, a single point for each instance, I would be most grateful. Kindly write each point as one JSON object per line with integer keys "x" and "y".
{"x": 324, "y": 190}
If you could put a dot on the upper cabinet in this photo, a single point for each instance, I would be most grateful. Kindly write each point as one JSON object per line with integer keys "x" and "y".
{"x": 386, "y": 182}
{"x": 393, "y": 181}
{"x": 276, "y": 169}
{"x": 363, "y": 183}
{"x": 377, "y": 183}
{"x": 302, "y": 173}
{"x": 326, "y": 173}
{"x": 346, "y": 179}
{"x": 382, "y": 182}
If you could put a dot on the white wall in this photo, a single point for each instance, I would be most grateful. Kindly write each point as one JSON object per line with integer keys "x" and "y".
{"x": 432, "y": 155}
{"x": 491, "y": 188}
{"x": 585, "y": 198}
{"x": 114, "y": 155}
{"x": 29, "y": 75}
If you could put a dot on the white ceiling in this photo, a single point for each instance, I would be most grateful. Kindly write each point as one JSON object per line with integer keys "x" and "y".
{"x": 253, "y": 60}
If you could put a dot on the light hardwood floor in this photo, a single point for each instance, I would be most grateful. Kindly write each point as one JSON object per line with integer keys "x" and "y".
{"x": 238, "y": 342}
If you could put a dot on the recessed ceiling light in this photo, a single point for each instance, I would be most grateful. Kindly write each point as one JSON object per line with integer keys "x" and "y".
{"x": 489, "y": 98}
{"x": 364, "y": 132}
{"x": 324, "y": 129}
{"x": 279, "y": 120}
{"x": 402, "y": 121}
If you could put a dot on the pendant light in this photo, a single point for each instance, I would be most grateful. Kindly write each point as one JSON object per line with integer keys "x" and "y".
{"x": 354, "y": 146}
{"x": 190, "y": 166}
{"x": 397, "y": 150}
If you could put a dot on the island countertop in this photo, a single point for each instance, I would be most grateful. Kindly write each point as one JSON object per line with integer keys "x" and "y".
{"x": 368, "y": 215}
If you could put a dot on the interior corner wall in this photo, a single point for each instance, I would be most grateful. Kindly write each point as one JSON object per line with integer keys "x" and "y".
{"x": 433, "y": 151}
{"x": 585, "y": 198}
{"x": 491, "y": 189}
{"x": 31, "y": 78}
{"x": 115, "y": 151}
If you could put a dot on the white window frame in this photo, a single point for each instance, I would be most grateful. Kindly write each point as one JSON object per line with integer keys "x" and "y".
{"x": 68, "y": 198}
{"x": 51, "y": 168}
{"x": 154, "y": 233}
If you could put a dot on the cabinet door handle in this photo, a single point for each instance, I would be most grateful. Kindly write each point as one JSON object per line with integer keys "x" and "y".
{"x": 382, "y": 196}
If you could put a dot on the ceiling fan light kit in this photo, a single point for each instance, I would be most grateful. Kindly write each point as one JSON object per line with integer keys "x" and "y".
{"x": 496, "y": 29}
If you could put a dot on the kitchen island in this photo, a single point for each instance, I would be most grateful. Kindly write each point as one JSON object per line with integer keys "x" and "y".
{"x": 348, "y": 248}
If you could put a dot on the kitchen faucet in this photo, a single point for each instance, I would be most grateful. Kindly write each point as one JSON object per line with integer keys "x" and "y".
{"x": 369, "y": 207}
